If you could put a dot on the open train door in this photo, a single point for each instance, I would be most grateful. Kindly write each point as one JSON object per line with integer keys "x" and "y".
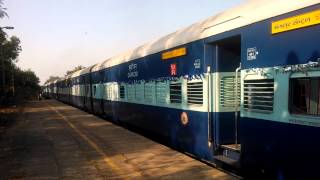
{"x": 226, "y": 100}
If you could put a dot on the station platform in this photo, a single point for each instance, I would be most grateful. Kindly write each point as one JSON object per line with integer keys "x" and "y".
{"x": 51, "y": 140}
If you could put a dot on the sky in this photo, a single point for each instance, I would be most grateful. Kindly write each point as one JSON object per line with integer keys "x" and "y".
{"x": 56, "y": 35}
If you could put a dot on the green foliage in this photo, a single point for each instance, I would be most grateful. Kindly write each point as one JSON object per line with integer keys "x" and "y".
{"x": 11, "y": 49}
{"x": 3, "y": 12}
{"x": 26, "y": 84}
{"x": 15, "y": 84}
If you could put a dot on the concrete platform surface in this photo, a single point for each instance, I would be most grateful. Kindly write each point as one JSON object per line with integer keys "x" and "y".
{"x": 51, "y": 140}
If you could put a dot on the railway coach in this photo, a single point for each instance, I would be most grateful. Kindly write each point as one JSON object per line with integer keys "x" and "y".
{"x": 50, "y": 90}
{"x": 46, "y": 89}
{"x": 240, "y": 89}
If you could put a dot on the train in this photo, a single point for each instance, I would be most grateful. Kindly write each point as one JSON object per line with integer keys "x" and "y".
{"x": 239, "y": 89}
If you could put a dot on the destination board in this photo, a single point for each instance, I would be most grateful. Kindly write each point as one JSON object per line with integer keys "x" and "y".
{"x": 174, "y": 53}
{"x": 296, "y": 22}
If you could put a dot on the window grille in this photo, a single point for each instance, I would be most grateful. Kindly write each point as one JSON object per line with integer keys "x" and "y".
{"x": 259, "y": 95}
{"x": 175, "y": 92}
{"x": 115, "y": 91}
{"x": 229, "y": 96}
{"x": 122, "y": 92}
{"x": 161, "y": 88}
{"x": 148, "y": 92}
{"x": 139, "y": 91}
{"x": 131, "y": 92}
{"x": 109, "y": 91}
{"x": 195, "y": 93}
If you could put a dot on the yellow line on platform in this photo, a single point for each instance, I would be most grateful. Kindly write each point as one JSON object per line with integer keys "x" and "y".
{"x": 109, "y": 162}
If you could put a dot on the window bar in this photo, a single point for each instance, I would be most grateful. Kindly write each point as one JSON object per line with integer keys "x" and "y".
{"x": 302, "y": 97}
{"x": 318, "y": 97}
{"x": 308, "y": 95}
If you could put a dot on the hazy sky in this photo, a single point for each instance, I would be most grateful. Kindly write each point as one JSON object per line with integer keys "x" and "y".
{"x": 59, "y": 35}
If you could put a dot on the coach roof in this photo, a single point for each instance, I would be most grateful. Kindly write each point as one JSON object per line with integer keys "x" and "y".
{"x": 86, "y": 70}
{"x": 250, "y": 12}
{"x": 99, "y": 66}
{"x": 76, "y": 74}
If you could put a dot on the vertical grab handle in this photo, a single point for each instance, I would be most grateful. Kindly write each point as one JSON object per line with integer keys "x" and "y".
{"x": 208, "y": 107}
{"x": 236, "y": 104}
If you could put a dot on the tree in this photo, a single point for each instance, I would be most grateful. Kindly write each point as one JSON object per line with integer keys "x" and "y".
{"x": 3, "y": 12}
{"x": 77, "y": 68}
{"x": 26, "y": 84}
{"x": 9, "y": 51}
{"x": 23, "y": 84}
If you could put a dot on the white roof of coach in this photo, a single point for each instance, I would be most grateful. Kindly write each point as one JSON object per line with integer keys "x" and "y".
{"x": 76, "y": 74}
{"x": 49, "y": 82}
{"x": 86, "y": 70}
{"x": 99, "y": 66}
{"x": 67, "y": 76}
{"x": 249, "y": 12}
{"x": 61, "y": 79}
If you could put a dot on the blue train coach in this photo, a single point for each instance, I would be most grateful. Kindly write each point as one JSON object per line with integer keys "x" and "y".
{"x": 239, "y": 89}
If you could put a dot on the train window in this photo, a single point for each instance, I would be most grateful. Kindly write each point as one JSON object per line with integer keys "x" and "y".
{"x": 195, "y": 93}
{"x": 115, "y": 91}
{"x": 229, "y": 95}
{"x": 131, "y": 92}
{"x": 139, "y": 91}
{"x": 122, "y": 92}
{"x": 304, "y": 96}
{"x": 161, "y": 92}
{"x": 175, "y": 92}
{"x": 109, "y": 92}
{"x": 258, "y": 95}
{"x": 148, "y": 92}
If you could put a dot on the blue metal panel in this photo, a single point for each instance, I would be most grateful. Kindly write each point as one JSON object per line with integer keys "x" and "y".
{"x": 293, "y": 47}
{"x": 98, "y": 76}
{"x": 165, "y": 122}
{"x": 280, "y": 150}
{"x": 98, "y": 106}
{"x": 87, "y": 104}
{"x": 152, "y": 66}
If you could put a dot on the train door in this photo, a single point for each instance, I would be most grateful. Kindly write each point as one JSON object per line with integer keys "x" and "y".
{"x": 84, "y": 92}
{"x": 90, "y": 105}
{"x": 84, "y": 96}
{"x": 101, "y": 87}
{"x": 69, "y": 92}
{"x": 226, "y": 96}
